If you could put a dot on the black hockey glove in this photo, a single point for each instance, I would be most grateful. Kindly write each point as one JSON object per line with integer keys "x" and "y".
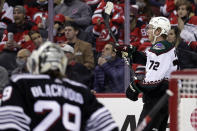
{"x": 125, "y": 50}
{"x": 132, "y": 92}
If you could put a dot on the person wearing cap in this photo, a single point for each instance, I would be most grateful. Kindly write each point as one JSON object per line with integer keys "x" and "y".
{"x": 19, "y": 30}
{"x": 75, "y": 70}
{"x": 58, "y": 28}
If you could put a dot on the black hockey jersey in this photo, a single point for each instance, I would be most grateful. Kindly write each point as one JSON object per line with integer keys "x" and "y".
{"x": 39, "y": 103}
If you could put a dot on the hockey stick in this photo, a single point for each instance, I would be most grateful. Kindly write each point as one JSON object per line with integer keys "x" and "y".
{"x": 108, "y": 9}
{"x": 154, "y": 111}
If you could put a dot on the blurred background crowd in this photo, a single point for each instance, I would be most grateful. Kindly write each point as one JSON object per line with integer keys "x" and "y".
{"x": 81, "y": 31}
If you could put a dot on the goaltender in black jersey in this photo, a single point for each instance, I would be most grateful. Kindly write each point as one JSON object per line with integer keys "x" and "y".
{"x": 44, "y": 100}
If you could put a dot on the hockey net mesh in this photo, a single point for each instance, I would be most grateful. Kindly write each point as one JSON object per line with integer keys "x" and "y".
{"x": 183, "y": 105}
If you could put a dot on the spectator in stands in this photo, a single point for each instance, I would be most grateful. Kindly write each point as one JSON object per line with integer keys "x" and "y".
{"x": 21, "y": 60}
{"x": 76, "y": 71}
{"x": 75, "y": 10}
{"x": 185, "y": 20}
{"x": 36, "y": 38}
{"x": 58, "y": 28}
{"x": 109, "y": 72}
{"x": 82, "y": 50}
{"x": 20, "y": 29}
{"x": 37, "y": 11}
{"x": 174, "y": 36}
{"x": 6, "y": 16}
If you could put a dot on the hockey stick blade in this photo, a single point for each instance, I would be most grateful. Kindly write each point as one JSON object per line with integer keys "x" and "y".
{"x": 154, "y": 111}
{"x": 109, "y": 7}
{"x": 108, "y": 10}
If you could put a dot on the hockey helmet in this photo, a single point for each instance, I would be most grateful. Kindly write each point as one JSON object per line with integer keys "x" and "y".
{"x": 161, "y": 22}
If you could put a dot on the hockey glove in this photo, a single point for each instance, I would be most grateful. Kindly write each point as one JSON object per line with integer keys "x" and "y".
{"x": 132, "y": 92}
{"x": 125, "y": 50}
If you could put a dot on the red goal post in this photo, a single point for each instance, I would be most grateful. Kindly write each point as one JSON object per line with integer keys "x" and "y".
{"x": 183, "y": 104}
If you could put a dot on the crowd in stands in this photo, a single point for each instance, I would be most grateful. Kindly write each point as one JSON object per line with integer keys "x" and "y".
{"x": 81, "y": 31}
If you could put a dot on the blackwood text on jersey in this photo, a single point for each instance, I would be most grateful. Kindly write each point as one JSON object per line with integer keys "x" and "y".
{"x": 55, "y": 90}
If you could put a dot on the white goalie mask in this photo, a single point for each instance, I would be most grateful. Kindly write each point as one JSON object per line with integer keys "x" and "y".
{"x": 48, "y": 57}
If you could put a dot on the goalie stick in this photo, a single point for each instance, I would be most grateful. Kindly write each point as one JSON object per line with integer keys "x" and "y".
{"x": 154, "y": 111}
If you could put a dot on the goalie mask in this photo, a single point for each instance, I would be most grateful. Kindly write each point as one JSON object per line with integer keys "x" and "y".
{"x": 49, "y": 57}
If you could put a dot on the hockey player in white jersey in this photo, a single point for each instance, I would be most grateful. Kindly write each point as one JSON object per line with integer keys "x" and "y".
{"x": 46, "y": 100}
{"x": 160, "y": 60}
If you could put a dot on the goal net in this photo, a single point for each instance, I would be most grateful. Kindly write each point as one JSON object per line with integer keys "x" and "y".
{"x": 183, "y": 105}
